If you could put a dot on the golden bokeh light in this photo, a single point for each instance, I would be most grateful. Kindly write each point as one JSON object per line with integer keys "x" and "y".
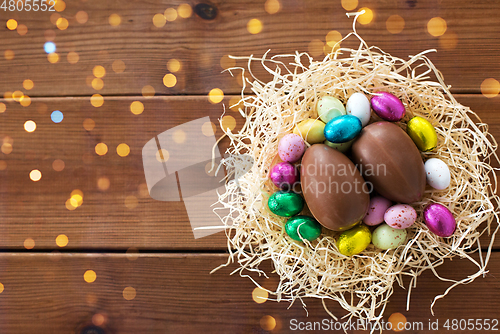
{"x": 70, "y": 205}
{"x": 268, "y": 323}
{"x": 103, "y": 183}
{"x": 58, "y": 165}
{"x": 170, "y": 14}
{"x": 254, "y": 26}
{"x": 99, "y": 71}
{"x": 22, "y": 29}
{"x": 162, "y": 155}
{"x": 159, "y": 20}
{"x": 228, "y": 122}
{"x": 97, "y": 100}
{"x": 54, "y": 17}
{"x": 118, "y": 66}
{"x": 89, "y": 124}
{"x": 272, "y": 6}
{"x": 62, "y": 240}
{"x": 315, "y": 47}
{"x": 436, "y": 26}
{"x": 53, "y": 57}
{"x": 349, "y": 4}
{"x": 82, "y": 17}
{"x": 136, "y": 107}
{"x": 226, "y": 62}
{"x": 259, "y": 295}
{"x": 17, "y": 95}
{"x": 50, "y": 35}
{"x": 397, "y": 321}
{"x": 88, "y": 80}
{"x": 367, "y": 17}
{"x": 235, "y": 103}
{"x": 184, "y": 10}
{"x": 89, "y": 276}
{"x": 60, "y": 5}
{"x": 179, "y": 136}
{"x": 1, "y": 287}
{"x": 11, "y": 24}
{"x": 8, "y": 96}
{"x": 395, "y": 24}
{"x": 148, "y": 91}
{"x": 98, "y": 319}
{"x": 131, "y": 202}
{"x": 123, "y": 150}
{"x": 169, "y": 80}
{"x": 448, "y": 41}
{"x": 173, "y": 65}
{"x": 143, "y": 190}
{"x": 115, "y": 20}
{"x": 3, "y": 164}
{"x": 9, "y": 54}
{"x": 216, "y": 95}
{"x": 28, "y": 84}
{"x": 2, "y": 107}
{"x": 62, "y": 23}
{"x": 490, "y": 88}
{"x": 25, "y": 100}
{"x": 29, "y": 126}
{"x": 35, "y": 175}
{"x": 6, "y": 148}
{"x": 97, "y": 83}
{"x": 73, "y": 57}
{"x": 129, "y": 293}
{"x": 333, "y": 37}
{"x": 208, "y": 129}
{"x": 29, "y": 243}
{"x": 101, "y": 149}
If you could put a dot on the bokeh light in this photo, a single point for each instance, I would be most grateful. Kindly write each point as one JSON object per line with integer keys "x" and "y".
{"x": 50, "y": 35}
{"x": 132, "y": 253}
{"x": 11, "y": 24}
{"x": 62, "y": 23}
{"x": 268, "y": 323}
{"x": 235, "y": 103}
{"x": 131, "y": 202}
{"x": 436, "y": 26}
{"x": 9, "y": 54}
{"x": 3, "y": 164}
{"x": 367, "y": 17}
{"x": 2, "y": 107}
{"x": 56, "y": 116}
{"x": 97, "y": 83}
{"x": 98, "y": 319}
{"x": 254, "y": 26}
{"x": 228, "y": 122}
{"x": 89, "y": 276}
{"x": 259, "y": 295}
{"x": 99, "y": 71}
{"x": 1, "y": 287}
{"x": 103, "y": 183}
{"x": 490, "y": 87}
{"x": 53, "y": 57}
{"x": 148, "y": 91}
{"x": 272, "y": 6}
{"x": 70, "y": 205}
{"x": 60, "y": 5}
{"x": 29, "y": 243}
{"x": 333, "y": 37}
{"x": 82, "y": 17}
{"x": 49, "y": 47}
{"x": 170, "y": 14}
{"x": 101, "y": 149}
{"x": 115, "y": 20}
{"x": 208, "y": 129}
{"x": 315, "y": 47}
{"x": 129, "y": 293}
{"x": 25, "y": 100}
{"x": 29, "y": 126}
{"x": 349, "y": 4}
{"x": 35, "y": 175}
{"x": 118, "y": 66}
{"x": 96, "y": 100}
{"x": 159, "y": 20}
{"x": 216, "y": 95}
{"x": 162, "y": 155}
{"x": 397, "y": 321}
{"x": 136, "y": 107}
{"x": 73, "y": 57}
{"x": 17, "y": 95}
{"x": 179, "y": 136}
{"x": 448, "y": 41}
{"x": 62, "y": 240}
{"x": 58, "y": 165}
{"x": 88, "y": 124}
{"x": 184, "y": 10}
{"x": 54, "y": 17}
{"x": 169, "y": 80}
{"x": 22, "y": 29}
{"x": 28, "y": 84}
{"x": 123, "y": 150}
{"x": 395, "y": 24}
{"x": 173, "y": 65}
{"x": 6, "y": 148}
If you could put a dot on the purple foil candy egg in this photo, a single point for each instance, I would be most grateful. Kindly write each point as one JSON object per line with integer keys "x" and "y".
{"x": 439, "y": 220}
{"x": 388, "y": 106}
{"x": 284, "y": 175}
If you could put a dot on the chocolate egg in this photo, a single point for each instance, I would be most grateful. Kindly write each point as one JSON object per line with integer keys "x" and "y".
{"x": 302, "y": 226}
{"x": 284, "y": 175}
{"x": 439, "y": 220}
{"x": 285, "y": 204}
{"x": 423, "y": 133}
{"x": 387, "y": 106}
{"x": 333, "y": 188}
{"x": 342, "y": 129}
{"x": 354, "y": 241}
{"x": 390, "y": 162}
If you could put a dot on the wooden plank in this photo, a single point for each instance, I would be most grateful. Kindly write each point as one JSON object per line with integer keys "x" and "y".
{"x": 37, "y": 209}
{"x": 200, "y": 44}
{"x": 174, "y": 293}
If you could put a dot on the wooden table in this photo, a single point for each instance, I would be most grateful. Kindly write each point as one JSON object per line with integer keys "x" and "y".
{"x": 147, "y": 272}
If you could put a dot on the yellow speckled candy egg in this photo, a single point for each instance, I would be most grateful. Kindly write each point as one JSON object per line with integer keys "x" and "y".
{"x": 354, "y": 241}
{"x": 312, "y": 130}
{"x": 422, "y": 133}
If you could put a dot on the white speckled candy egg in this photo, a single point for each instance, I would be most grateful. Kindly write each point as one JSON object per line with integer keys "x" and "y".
{"x": 376, "y": 211}
{"x": 291, "y": 148}
{"x": 386, "y": 237}
{"x": 400, "y": 216}
{"x": 329, "y": 107}
{"x": 437, "y": 173}
{"x": 358, "y": 105}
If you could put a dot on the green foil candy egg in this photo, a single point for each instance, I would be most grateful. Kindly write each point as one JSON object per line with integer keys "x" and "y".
{"x": 354, "y": 241}
{"x": 285, "y": 204}
{"x": 306, "y": 226}
{"x": 422, "y": 133}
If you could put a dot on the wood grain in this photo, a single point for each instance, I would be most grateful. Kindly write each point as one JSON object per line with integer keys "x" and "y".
{"x": 46, "y": 293}
{"x": 200, "y": 44}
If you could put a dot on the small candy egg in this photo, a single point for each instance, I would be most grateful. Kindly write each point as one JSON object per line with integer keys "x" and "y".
{"x": 284, "y": 175}
{"x": 341, "y": 147}
{"x": 354, "y": 241}
{"x": 359, "y": 106}
{"x": 291, "y": 148}
{"x": 422, "y": 133}
{"x": 376, "y": 211}
{"x": 285, "y": 204}
{"x": 386, "y": 237}
{"x": 400, "y": 216}
{"x": 388, "y": 106}
{"x": 303, "y": 226}
{"x": 342, "y": 129}
{"x": 329, "y": 107}
{"x": 437, "y": 173}
{"x": 311, "y": 130}
{"x": 439, "y": 220}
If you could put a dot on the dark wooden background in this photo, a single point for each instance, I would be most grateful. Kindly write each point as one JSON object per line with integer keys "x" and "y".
{"x": 132, "y": 241}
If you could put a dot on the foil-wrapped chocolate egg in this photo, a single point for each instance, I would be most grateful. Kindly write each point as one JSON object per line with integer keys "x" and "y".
{"x": 439, "y": 220}
{"x": 422, "y": 133}
{"x": 342, "y": 129}
{"x": 284, "y": 175}
{"x": 285, "y": 204}
{"x": 302, "y": 226}
{"x": 354, "y": 241}
{"x": 387, "y": 106}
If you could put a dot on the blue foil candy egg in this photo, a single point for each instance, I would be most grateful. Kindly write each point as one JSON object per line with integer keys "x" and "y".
{"x": 342, "y": 129}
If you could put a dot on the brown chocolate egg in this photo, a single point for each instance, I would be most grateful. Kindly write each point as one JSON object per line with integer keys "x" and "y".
{"x": 390, "y": 162}
{"x": 333, "y": 188}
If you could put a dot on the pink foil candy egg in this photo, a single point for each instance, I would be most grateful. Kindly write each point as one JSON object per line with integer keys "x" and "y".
{"x": 284, "y": 175}
{"x": 400, "y": 216}
{"x": 388, "y": 106}
{"x": 439, "y": 220}
{"x": 375, "y": 214}
{"x": 291, "y": 148}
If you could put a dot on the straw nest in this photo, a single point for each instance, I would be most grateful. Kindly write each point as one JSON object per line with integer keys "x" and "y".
{"x": 361, "y": 284}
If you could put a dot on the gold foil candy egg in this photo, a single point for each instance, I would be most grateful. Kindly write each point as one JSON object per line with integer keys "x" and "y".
{"x": 422, "y": 133}
{"x": 354, "y": 241}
